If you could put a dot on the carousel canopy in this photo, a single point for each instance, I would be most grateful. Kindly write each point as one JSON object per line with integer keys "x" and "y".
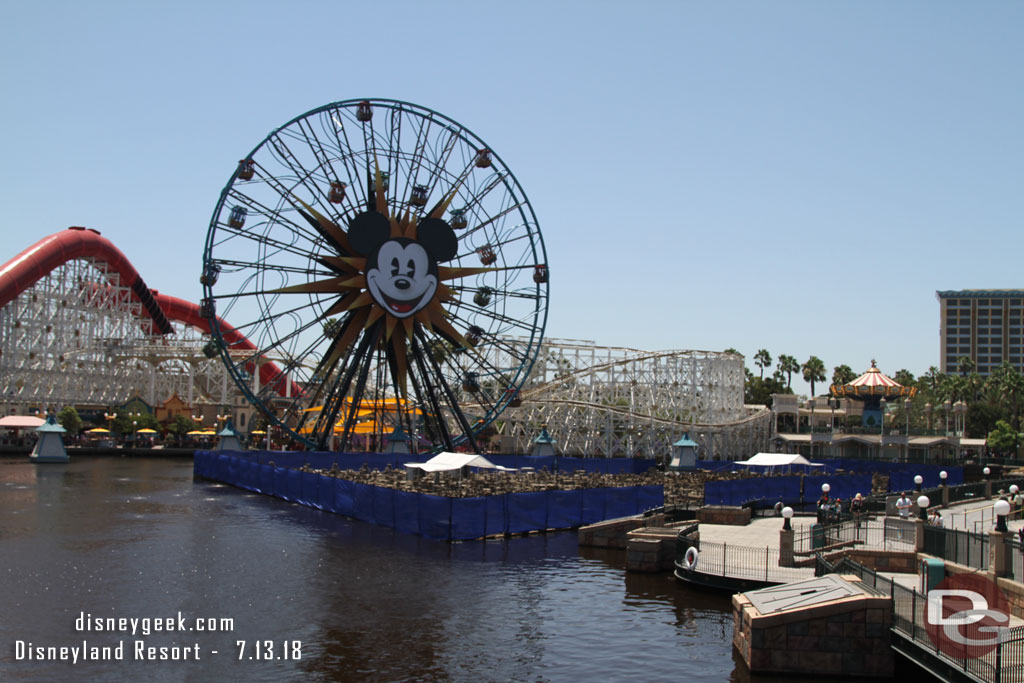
{"x": 874, "y": 382}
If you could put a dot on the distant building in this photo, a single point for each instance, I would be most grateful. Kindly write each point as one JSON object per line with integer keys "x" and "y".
{"x": 986, "y": 325}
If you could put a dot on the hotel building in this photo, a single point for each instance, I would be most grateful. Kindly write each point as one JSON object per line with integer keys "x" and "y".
{"x": 986, "y": 325}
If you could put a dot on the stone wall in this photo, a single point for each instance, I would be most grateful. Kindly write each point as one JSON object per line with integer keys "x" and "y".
{"x": 847, "y": 637}
{"x": 611, "y": 534}
{"x": 880, "y": 560}
{"x": 723, "y": 514}
{"x": 651, "y": 550}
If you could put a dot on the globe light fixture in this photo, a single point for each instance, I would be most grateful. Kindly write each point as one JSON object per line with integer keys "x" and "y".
{"x": 918, "y": 480}
{"x": 922, "y": 504}
{"x": 1001, "y": 508}
{"x": 787, "y": 514}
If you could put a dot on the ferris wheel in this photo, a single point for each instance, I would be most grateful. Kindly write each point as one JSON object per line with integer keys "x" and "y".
{"x": 363, "y": 271}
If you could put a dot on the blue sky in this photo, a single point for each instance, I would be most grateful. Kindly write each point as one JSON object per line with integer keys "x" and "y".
{"x": 796, "y": 176}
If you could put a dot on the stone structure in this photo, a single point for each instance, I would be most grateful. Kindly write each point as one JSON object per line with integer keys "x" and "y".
{"x": 844, "y": 634}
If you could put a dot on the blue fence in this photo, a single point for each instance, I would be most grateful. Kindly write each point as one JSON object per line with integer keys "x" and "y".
{"x": 901, "y": 475}
{"x": 379, "y": 461}
{"x": 425, "y": 515}
{"x": 786, "y": 489}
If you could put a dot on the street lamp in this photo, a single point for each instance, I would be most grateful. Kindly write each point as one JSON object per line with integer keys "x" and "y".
{"x": 825, "y": 488}
{"x": 960, "y": 418}
{"x": 922, "y": 504}
{"x": 946, "y": 405}
{"x": 1001, "y": 508}
{"x": 986, "y": 471}
{"x": 918, "y": 480}
{"x": 135, "y": 426}
{"x": 942, "y": 477}
{"x": 787, "y": 514}
{"x": 928, "y": 416}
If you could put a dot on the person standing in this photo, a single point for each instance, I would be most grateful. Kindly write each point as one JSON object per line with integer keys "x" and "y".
{"x": 903, "y": 506}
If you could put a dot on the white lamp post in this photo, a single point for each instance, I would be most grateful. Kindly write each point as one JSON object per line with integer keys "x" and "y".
{"x": 1001, "y": 508}
{"x": 922, "y": 504}
{"x": 918, "y": 480}
{"x": 942, "y": 477}
{"x": 787, "y": 514}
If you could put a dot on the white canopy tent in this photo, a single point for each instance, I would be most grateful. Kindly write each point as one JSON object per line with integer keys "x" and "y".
{"x": 21, "y": 421}
{"x": 773, "y": 460}
{"x": 448, "y": 462}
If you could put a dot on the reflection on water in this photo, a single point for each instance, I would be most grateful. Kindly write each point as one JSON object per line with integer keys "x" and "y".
{"x": 116, "y": 537}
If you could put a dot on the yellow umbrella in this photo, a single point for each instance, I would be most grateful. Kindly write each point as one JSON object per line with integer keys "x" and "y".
{"x": 147, "y": 431}
{"x": 258, "y": 431}
{"x": 194, "y": 432}
{"x": 98, "y": 430}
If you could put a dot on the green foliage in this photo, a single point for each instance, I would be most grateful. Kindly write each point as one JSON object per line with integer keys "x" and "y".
{"x": 1004, "y": 438}
{"x": 787, "y": 366}
{"x": 123, "y": 423}
{"x": 843, "y": 374}
{"x": 762, "y": 359}
{"x": 814, "y": 371}
{"x": 904, "y": 377}
{"x": 69, "y": 420}
{"x": 182, "y": 425}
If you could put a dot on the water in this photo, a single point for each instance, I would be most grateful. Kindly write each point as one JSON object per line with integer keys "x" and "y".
{"x": 136, "y": 538}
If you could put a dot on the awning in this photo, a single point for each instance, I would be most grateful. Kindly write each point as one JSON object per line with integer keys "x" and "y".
{"x": 21, "y": 421}
{"x": 777, "y": 460}
{"x": 448, "y": 462}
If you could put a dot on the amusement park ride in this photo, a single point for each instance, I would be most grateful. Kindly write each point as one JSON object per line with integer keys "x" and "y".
{"x": 382, "y": 270}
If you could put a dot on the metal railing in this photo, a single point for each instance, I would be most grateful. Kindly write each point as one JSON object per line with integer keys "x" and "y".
{"x": 955, "y": 545}
{"x": 1002, "y": 664}
{"x": 751, "y": 563}
{"x": 875, "y": 534}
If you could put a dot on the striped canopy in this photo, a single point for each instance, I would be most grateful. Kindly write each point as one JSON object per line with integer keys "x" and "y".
{"x": 874, "y": 382}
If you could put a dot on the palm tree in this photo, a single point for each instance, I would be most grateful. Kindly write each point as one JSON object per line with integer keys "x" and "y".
{"x": 762, "y": 359}
{"x": 904, "y": 377}
{"x": 965, "y": 365}
{"x": 814, "y": 371}
{"x": 843, "y": 374}
{"x": 788, "y": 365}
{"x": 1007, "y": 384}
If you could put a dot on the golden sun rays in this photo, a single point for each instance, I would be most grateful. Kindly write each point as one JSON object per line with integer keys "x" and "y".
{"x": 360, "y": 309}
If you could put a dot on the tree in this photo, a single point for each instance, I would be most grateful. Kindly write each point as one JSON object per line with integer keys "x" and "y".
{"x": 965, "y": 366}
{"x": 788, "y": 365}
{"x": 69, "y": 420}
{"x": 904, "y": 377}
{"x": 762, "y": 359}
{"x": 843, "y": 374}
{"x": 1003, "y": 438}
{"x": 182, "y": 425}
{"x": 1006, "y": 386}
{"x": 814, "y": 371}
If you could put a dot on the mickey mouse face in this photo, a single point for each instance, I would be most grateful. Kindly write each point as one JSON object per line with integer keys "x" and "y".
{"x": 401, "y": 273}
{"x": 402, "y": 281}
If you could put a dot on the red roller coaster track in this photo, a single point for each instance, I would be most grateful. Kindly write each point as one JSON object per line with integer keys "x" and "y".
{"x": 38, "y": 260}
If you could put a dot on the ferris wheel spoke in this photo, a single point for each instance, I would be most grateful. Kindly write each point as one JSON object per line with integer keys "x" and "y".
{"x": 354, "y": 173}
{"x": 288, "y": 158}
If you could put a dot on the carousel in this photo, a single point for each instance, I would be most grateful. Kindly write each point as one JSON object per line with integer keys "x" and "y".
{"x": 874, "y": 389}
